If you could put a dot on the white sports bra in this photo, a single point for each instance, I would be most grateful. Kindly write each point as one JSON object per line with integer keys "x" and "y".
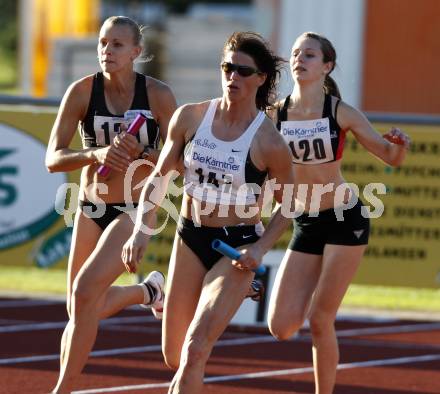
{"x": 222, "y": 172}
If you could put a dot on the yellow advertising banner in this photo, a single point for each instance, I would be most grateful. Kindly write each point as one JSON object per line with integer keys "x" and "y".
{"x": 404, "y": 247}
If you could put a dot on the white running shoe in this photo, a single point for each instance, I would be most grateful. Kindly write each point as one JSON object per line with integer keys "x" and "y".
{"x": 157, "y": 280}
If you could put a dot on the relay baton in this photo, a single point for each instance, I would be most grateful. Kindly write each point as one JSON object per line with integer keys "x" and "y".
{"x": 233, "y": 254}
{"x": 133, "y": 130}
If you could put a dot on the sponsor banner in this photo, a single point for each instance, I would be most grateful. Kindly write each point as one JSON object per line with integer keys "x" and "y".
{"x": 29, "y": 224}
{"x": 53, "y": 249}
{"x": 404, "y": 247}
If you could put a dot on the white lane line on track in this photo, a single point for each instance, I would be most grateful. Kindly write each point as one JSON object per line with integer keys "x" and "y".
{"x": 158, "y": 330}
{"x": 28, "y": 303}
{"x": 95, "y": 353}
{"x": 395, "y": 329}
{"x": 124, "y": 388}
{"x": 265, "y": 374}
{"x": 61, "y": 324}
{"x": 225, "y": 342}
{"x": 137, "y": 349}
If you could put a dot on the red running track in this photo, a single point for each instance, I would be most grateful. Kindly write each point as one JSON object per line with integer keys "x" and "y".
{"x": 377, "y": 356}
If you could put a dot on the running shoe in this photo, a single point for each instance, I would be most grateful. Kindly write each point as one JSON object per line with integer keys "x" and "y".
{"x": 157, "y": 280}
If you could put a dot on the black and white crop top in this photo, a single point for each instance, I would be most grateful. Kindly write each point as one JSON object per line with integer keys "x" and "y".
{"x": 313, "y": 141}
{"x": 222, "y": 172}
{"x": 99, "y": 126}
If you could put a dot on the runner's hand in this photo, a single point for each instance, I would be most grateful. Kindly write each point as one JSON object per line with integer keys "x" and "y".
{"x": 250, "y": 259}
{"x": 398, "y": 137}
{"x": 133, "y": 251}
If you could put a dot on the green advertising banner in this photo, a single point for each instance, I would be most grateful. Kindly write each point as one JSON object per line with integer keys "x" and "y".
{"x": 31, "y": 231}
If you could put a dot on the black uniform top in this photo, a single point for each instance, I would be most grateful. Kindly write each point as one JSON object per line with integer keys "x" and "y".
{"x": 313, "y": 141}
{"x": 100, "y": 126}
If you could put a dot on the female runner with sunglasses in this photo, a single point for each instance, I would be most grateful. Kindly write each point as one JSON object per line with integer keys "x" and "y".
{"x": 324, "y": 252}
{"x": 227, "y": 143}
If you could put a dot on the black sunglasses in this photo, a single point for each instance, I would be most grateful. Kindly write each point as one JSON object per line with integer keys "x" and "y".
{"x": 243, "y": 71}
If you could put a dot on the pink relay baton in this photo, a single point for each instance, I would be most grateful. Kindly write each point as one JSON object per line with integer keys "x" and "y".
{"x": 133, "y": 130}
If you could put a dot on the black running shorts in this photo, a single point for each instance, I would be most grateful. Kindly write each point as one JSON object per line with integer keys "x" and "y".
{"x": 311, "y": 234}
{"x": 199, "y": 239}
